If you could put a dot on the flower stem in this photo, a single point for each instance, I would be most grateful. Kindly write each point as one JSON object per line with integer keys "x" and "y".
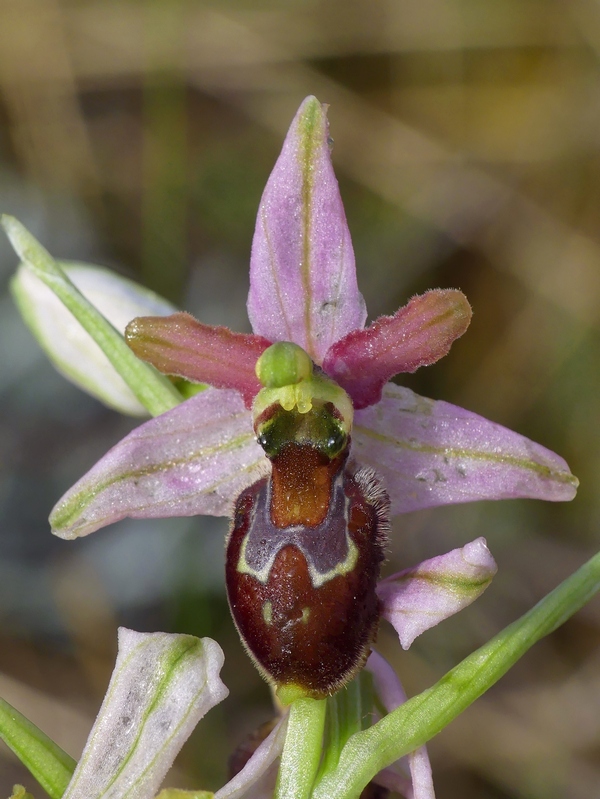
{"x": 348, "y": 712}
{"x": 302, "y": 749}
{"x": 423, "y": 716}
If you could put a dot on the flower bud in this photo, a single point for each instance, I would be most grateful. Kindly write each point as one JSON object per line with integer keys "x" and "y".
{"x": 73, "y": 351}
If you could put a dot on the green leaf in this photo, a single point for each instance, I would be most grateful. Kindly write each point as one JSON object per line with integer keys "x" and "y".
{"x": 47, "y": 762}
{"x": 423, "y": 716}
{"x": 153, "y": 390}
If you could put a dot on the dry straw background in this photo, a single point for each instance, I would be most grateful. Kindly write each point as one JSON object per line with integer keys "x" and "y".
{"x": 467, "y": 144}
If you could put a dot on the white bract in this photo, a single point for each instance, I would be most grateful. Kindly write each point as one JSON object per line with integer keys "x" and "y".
{"x": 161, "y": 687}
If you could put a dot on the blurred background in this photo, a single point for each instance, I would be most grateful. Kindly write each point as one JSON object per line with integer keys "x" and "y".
{"x": 139, "y": 135}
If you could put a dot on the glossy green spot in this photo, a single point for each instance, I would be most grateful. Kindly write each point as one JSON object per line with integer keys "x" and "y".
{"x": 320, "y": 428}
{"x": 305, "y": 615}
{"x": 283, "y": 364}
{"x": 311, "y": 397}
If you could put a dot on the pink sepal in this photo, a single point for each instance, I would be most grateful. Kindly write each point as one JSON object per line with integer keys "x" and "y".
{"x": 194, "y": 459}
{"x": 432, "y": 453}
{"x": 391, "y": 693}
{"x": 419, "y": 598}
{"x": 302, "y": 276}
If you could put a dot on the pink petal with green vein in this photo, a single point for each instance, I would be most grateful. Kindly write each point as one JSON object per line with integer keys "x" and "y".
{"x": 194, "y": 459}
{"x": 257, "y": 778}
{"x": 180, "y": 345}
{"x": 418, "y": 334}
{"x": 391, "y": 694}
{"x": 419, "y": 598}
{"x": 433, "y": 453}
{"x": 302, "y": 276}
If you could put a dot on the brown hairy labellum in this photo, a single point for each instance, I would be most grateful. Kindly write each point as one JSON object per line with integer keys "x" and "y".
{"x": 303, "y": 560}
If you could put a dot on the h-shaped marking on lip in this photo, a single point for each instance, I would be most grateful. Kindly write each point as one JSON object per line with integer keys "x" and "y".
{"x": 327, "y": 547}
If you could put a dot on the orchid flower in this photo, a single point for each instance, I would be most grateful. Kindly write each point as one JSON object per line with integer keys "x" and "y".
{"x": 310, "y": 349}
{"x": 199, "y": 456}
{"x": 161, "y": 686}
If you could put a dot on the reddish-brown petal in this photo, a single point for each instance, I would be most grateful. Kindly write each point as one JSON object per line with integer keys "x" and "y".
{"x": 180, "y": 345}
{"x": 418, "y": 334}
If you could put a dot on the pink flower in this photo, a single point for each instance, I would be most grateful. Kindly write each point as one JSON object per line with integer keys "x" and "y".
{"x": 198, "y": 457}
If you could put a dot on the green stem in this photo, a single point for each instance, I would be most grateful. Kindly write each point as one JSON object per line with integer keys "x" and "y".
{"x": 302, "y": 749}
{"x": 49, "y": 764}
{"x": 348, "y": 712}
{"x": 423, "y": 716}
